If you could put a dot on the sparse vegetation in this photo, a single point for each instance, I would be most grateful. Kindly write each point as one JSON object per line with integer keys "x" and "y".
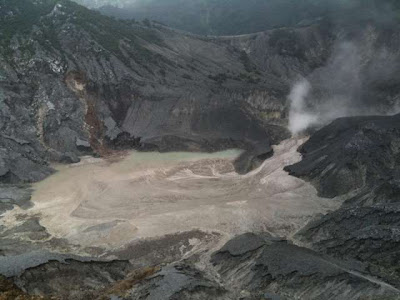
{"x": 19, "y": 16}
{"x": 9, "y": 291}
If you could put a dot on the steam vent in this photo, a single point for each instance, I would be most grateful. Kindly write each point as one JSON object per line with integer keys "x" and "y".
{"x": 199, "y": 150}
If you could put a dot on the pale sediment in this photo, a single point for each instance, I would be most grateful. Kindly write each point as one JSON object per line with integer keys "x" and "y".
{"x": 147, "y": 195}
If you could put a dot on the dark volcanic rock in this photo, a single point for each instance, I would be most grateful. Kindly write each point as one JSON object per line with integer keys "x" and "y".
{"x": 249, "y": 267}
{"x": 262, "y": 265}
{"x": 359, "y": 155}
{"x": 366, "y": 228}
{"x": 253, "y": 158}
{"x": 72, "y": 279}
{"x": 79, "y": 92}
{"x": 73, "y": 82}
{"x": 9, "y": 291}
{"x": 165, "y": 249}
{"x": 21, "y": 163}
{"x": 350, "y": 153}
{"x": 67, "y": 90}
{"x": 32, "y": 229}
{"x": 242, "y": 244}
{"x": 14, "y": 195}
{"x": 178, "y": 282}
{"x": 370, "y": 234}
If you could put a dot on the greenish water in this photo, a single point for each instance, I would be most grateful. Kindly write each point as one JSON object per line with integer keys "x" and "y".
{"x": 108, "y": 202}
{"x": 174, "y": 156}
{"x": 140, "y": 160}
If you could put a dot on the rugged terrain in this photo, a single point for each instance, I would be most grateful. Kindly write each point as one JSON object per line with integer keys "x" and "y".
{"x": 358, "y": 157}
{"x": 74, "y": 82}
{"x": 233, "y": 17}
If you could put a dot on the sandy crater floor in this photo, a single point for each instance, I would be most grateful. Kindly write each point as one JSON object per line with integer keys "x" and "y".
{"x": 148, "y": 195}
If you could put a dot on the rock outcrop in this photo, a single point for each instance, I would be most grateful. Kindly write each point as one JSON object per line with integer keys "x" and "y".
{"x": 249, "y": 266}
{"x": 74, "y": 82}
{"x": 266, "y": 267}
{"x": 351, "y": 153}
{"x": 358, "y": 157}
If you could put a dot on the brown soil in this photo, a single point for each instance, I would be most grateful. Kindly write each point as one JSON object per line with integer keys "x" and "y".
{"x": 9, "y": 291}
{"x": 120, "y": 288}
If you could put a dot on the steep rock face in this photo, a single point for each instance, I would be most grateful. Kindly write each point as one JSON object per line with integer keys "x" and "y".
{"x": 83, "y": 83}
{"x": 368, "y": 234}
{"x": 267, "y": 267}
{"x": 73, "y": 82}
{"x": 249, "y": 266}
{"x": 77, "y": 280}
{"x": 180, "y": 281}
{"x": 351, "y": 153}
{"x": 350, "y": 68}
{"x": 359, "y": 156}
{"x": 254, "y": 266}
{"x": 288, "y": 53}
{"x": 76, "y": 82}
{"x": 84, "y": 278}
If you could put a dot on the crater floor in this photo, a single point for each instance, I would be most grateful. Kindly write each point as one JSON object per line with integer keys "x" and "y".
{"x": 99, "y": 203}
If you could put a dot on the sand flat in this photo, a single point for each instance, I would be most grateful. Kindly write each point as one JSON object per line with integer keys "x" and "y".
{"x": 146, "y": 195}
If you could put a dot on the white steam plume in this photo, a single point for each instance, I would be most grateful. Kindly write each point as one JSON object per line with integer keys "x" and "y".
{"x": 299, "y": 118}
{"x": 339, "y": 88}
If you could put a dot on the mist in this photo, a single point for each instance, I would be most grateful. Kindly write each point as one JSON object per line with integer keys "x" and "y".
{"x": 333, "y": 93}
{"x": 299, "y": 117}
{"x": 339, "y": 89}
{"x": 348, "y": 85}
{"x": 302, "y": 116}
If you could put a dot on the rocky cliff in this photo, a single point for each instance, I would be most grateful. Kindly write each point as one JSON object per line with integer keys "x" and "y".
{"x": 358, "y": 157}
{"x": 74, "y": 82}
